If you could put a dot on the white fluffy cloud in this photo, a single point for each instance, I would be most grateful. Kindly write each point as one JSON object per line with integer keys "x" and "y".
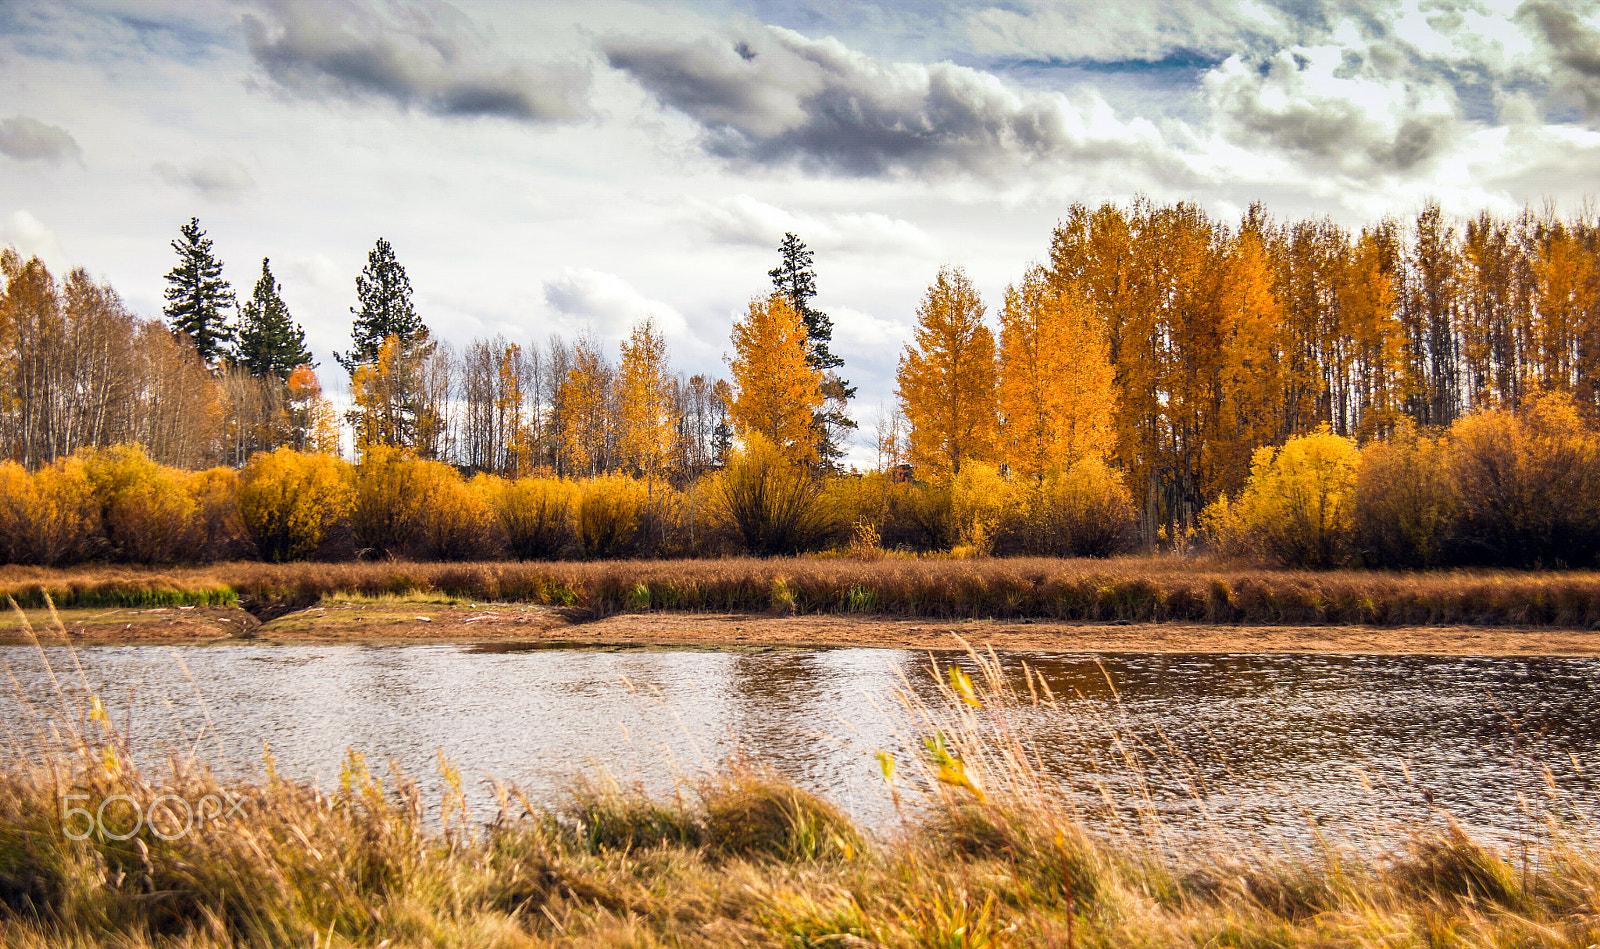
{"x": 744, "y": 219}
{"x": 607, "y": 304}
{"x": 32, "y": 239}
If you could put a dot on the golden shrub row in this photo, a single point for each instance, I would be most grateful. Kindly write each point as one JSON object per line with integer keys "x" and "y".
{"x": 1496, "y": 488}
{"x": 119, "y": 505}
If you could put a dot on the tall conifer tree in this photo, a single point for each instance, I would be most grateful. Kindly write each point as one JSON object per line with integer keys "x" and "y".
{"x": 796, "y": 280}
{"x": 197, "y": 296}
{"x": 384, "y": 294}
{"x": 270, "y": 343}
{"x": 388, "y": 360}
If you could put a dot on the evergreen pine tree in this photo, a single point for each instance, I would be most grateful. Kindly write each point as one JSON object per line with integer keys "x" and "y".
{"x": 270, "y": 343}
{"x": 197, "y": 296}
{"x": 385, "y": 309}
{"x": 795, "y": 279}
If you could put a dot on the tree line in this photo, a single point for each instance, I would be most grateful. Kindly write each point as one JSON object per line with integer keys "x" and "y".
{"x": 1175, "y": 345}
{"x": 1154, "y": 341}
{"x": 220, "y": 380}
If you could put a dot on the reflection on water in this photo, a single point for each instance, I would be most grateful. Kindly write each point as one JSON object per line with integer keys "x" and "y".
{"x": 1259, "y": 743}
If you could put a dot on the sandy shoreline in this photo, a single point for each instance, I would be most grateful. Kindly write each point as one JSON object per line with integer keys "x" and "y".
{"x": 506, "y": 624}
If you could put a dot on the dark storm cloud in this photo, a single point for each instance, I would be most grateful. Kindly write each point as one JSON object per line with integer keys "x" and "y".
{"x": 28, "y": 139}
{"x": 427, "y": 57}
{"x": 770, "y": 96}
{"x": 1573, "y": 45}
{"x": 1333, "y": 108}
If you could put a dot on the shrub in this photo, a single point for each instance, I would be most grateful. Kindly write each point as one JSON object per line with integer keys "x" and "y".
{"x": 1527, "y": 486}
{"x": 669, "y": 522}
{"x": 147, "y": 515}
{"x": 290, "y": 501}
{"x": 1084, "y": 511}
{"x": 919, "y": 517}
{"x": 63, "y": 523}
{"x": 1297, "y": 501}
{"x": 219, "y": 526}
{"x": 17, "y": 501}
{"x": 769, "y": 506}
{"x": 535, "y": 516}
{"x": 980, "y": 503}
{"x": 1404, "y": 507}
{"x": 610, "y": 511}
{"x": 457, "y": 521}
{"x": 386, "y": 511}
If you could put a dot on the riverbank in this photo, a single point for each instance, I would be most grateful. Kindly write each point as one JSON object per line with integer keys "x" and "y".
{"x": 413, "y": 620}
{"x": 1124, "y": 604}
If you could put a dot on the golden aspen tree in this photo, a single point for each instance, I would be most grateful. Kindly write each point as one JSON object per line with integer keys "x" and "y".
{"x": 1565, "y": 273}
{"x": 1368, "y": 301}
{"x": 1185, "y": 250}
{"x": 776, "y": 389}
{"x": 644, "y": 396}
{"x": 1489, "y": 355}
{"x": 1055, "y": 387}
{"x": 313, "y": 423}
{"x": 1302, "y": 288}
{"x": 586, "y": 411}
{"x": 947, "y": 382}
{"x": 385, "y": 413}
{"x": 511, "y": 429}
{"x": 1429, "y": 312}
{"x": 1104, "y": 253}
{"x": 1252, "y": 350}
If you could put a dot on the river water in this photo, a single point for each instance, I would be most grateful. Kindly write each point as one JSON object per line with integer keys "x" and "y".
{"x": 1263, "y": 744}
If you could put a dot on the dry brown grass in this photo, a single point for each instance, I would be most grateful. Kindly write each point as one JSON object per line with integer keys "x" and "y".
{"x": 1148, "y": 589}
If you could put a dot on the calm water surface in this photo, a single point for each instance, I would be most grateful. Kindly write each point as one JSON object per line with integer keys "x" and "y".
{"x": 1261, "y": 743}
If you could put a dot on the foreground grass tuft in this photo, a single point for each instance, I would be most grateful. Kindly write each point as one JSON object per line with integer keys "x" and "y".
{"x": 988, "y": 852}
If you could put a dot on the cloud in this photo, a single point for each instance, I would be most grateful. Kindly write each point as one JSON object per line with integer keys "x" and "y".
{"x": 32, "y": 239}
{"x": 426, "y": 57}
{"x": 1126, "y": 31}
{"x": 608, "y": 304}
{"x": 769, "y": 96}
{"x": 1329, "y": 105}
{"x": 742, "y": 219}
{"x": 861, "y": 332}
{"x": 28, "y": 139}
{"x": 217, "y": 177}
{"x": 1574, "y": 45}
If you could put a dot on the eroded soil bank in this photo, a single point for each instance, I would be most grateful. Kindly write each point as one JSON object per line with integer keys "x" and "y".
{"x": 404, "y": 621}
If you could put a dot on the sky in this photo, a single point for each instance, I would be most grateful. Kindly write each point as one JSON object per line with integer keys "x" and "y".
{"x": 573, "y": 167}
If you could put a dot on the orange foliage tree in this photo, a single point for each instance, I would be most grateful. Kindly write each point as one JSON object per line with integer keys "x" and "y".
{"x": 1055, "y": 389}
{"x": 776, "y": 389}
{"x": 947, "y": 383}
{"x": 645, "y": 402}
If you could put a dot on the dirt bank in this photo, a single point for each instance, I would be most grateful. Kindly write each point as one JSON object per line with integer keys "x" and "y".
{"x": 421, "y": 622}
